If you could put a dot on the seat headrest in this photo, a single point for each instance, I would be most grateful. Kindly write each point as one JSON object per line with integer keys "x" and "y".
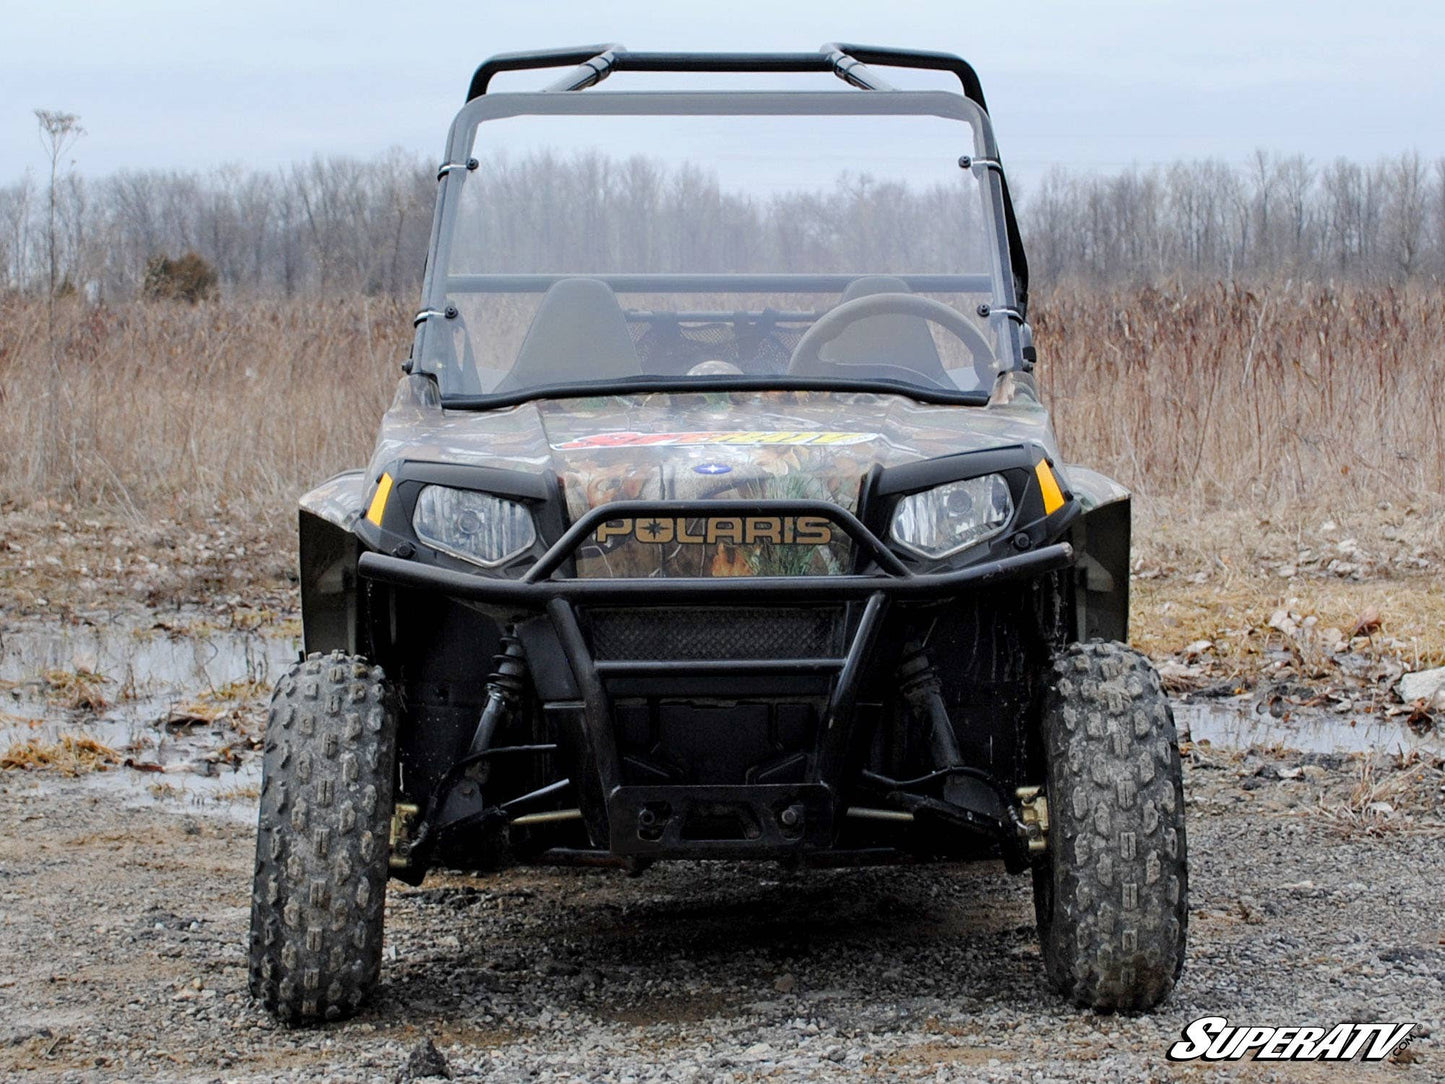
{"x": 579, "y": 332}
{"x": 888, "y": 339}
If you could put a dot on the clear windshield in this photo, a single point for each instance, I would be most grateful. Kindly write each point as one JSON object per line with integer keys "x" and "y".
{"x": 626, "y": 248}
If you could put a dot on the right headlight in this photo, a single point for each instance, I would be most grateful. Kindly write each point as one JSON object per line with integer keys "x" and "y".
{"x": 475, "y": 527}
{"x": 949, "y": 518}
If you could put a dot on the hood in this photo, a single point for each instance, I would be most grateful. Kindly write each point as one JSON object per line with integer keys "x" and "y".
{"x": 703, "y": 446}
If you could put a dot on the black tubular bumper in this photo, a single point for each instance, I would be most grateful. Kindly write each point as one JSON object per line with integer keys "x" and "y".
{"x": 541, "y": 584}
{"x": 534, "y": 595}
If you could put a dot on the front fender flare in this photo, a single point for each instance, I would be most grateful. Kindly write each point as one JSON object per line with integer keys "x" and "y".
{"x": 328, "y": 550}
{"x": 1101, "y": 539}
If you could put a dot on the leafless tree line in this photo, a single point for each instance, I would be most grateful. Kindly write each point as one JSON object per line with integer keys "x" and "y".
{"x": 341, "y": 224}
{"x": 332, "y": 224}
{"x": 1273, "y": 217}
{"x": 588, "y": 212}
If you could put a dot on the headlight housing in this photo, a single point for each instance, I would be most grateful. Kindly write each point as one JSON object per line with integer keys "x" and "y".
{"x": 474, "y": 527}
{"x": 950, "y": 518}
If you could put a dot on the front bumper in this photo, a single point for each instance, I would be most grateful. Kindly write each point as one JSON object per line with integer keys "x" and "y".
{"x": 579, "y": 692}
{"x": 881, "y": 571}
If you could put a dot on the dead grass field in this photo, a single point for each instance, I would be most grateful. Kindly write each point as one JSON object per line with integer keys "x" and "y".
{"x": 1287, "y": 445}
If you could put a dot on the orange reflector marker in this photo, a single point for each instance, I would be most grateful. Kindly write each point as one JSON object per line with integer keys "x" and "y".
{"x": 378, "y": 502}
{"x": 1049, "y": 486}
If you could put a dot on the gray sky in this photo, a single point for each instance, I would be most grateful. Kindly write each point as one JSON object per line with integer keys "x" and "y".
{"x": 1091, "y": 85}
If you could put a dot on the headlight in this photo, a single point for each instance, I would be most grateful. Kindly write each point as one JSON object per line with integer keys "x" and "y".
{"x": 475, "y": 527}
{"x": 952, "y": 517}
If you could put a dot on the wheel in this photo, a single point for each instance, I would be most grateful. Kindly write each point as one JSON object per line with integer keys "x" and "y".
{"x": 322, "y": 842}
{"x": 1112, "y": 894}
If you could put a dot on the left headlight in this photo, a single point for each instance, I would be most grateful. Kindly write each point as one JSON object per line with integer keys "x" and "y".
{"x": 950, "y": 518}
{"x": 475, "y": 527}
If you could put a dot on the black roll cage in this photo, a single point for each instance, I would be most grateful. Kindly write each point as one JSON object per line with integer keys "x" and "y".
{"x": 850, "y": 62}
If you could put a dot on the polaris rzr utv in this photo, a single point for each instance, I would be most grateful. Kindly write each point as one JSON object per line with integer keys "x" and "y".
{"x": 717, "y": 516}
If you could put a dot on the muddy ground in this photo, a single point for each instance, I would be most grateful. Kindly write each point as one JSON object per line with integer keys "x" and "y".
{"x": 132, "y": 696}
{"x": 121, "y": 952}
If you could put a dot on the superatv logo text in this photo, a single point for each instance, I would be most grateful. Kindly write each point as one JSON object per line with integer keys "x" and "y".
{"x": 1214, "y": 1038}
{"x": 739, "y": 530}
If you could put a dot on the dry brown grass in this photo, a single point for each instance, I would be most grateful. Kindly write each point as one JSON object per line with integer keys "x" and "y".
{"x": 1235, "y": 396}
{"x": 1214, "y": 394}
{"x": 1220, "y": 574}
{"x": 1397, "y": 797}
{"x": 153, "y": 409}
{"x": 79, "y": 689}
{"x": 70, "y": 756}
{"x": 1246, "y": 421}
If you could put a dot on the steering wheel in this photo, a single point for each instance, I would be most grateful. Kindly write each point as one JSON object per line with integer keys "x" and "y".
{"x": 807, "y": 361}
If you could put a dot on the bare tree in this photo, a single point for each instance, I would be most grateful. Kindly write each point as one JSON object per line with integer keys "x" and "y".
{"x": 15, "y": 212}
{"x": 1406, "y": 211}
{"x": 59, "y": 132}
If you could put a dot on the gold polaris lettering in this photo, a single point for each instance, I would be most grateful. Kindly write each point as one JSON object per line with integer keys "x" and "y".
{"x": 614, "y": 528}
{"x": 763, "y": 529}
{"x": 737, "y": 531}
{"x": 813, "y": 531}
{"x": 725, "y": 530}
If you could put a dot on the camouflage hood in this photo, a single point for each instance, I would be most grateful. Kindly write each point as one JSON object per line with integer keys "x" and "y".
{"x": 726, "y": 445}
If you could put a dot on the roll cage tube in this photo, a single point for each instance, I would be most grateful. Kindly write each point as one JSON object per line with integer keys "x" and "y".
{"x": 1010, "y": 290}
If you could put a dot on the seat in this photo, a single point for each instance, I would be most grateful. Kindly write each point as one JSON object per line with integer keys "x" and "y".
{"x": 889, "y": 339}
{"x": 579, "y": 333}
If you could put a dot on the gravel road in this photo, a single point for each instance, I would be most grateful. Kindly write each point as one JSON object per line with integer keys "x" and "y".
{"x": 121, "y": 951}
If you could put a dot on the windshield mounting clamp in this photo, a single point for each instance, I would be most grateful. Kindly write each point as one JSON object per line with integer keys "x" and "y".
{"x": 986, "y": 311}
{"x": 968, "y": 161}
{"x": 450, "y": 313}
{"x": 450, "y": 167}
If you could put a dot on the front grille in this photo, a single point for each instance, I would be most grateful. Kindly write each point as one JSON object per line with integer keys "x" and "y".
{"x": 717, "y": 633}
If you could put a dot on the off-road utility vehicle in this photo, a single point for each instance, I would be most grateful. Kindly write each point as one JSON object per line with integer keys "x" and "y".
{"x": 717, "y": 516}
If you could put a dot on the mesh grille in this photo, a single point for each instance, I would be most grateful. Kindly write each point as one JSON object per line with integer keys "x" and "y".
{"x": 733, "y": 633}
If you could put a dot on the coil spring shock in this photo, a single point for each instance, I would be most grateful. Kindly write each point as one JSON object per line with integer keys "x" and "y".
{"x": 504, "y": 690}
{"x": 919, "y": 683}
{"x": 917, "y": 677}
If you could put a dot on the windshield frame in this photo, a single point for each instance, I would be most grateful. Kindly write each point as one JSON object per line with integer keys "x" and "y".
{"x": 466, "y": 127}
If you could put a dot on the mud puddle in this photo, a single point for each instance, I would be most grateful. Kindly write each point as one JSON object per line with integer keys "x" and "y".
{"x": 1242, "y": 722}
{"x": 178, "y": 708}
{"x": 175, "y": 711}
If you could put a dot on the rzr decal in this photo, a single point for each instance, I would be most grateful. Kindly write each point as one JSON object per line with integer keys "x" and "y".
{"x": 737, "y": 530}
{"x": 743, "y": 437}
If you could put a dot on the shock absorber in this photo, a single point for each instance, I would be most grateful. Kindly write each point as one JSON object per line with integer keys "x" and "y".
{"x": 918, "y": 681}
{"x": 504, "y": 691}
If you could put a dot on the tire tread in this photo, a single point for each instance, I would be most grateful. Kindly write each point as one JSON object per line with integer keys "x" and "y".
{"x": 318, "y": 897}
{"x": 1112, "y": 899}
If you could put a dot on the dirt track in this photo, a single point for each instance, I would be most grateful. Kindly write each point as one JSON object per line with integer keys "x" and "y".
{"x": 121, "y": 951}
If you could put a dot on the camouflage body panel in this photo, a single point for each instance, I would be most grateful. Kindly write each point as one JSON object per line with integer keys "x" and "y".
{"x": 1092, "y": 489}
{"x": 339, "y": 500}
{"x": 773, "y": 445}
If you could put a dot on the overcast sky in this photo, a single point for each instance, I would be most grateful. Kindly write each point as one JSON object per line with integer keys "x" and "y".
{"x": 1092, "y": 85}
